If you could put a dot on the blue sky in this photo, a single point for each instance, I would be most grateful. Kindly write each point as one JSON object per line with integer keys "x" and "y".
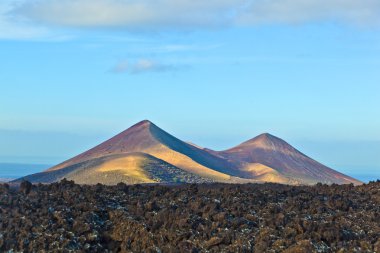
{"x": 73, "y": 73}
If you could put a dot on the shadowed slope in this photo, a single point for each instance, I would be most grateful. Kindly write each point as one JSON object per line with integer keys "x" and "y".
{"x": 148, "y": 138}
{"x": 271, "y": 151}
{"x": 144, "y": 153}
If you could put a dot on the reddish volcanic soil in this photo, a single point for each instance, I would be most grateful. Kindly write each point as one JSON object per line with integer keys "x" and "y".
{"x": 279, "y": 155}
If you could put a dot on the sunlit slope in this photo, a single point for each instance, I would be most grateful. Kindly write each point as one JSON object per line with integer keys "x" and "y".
{"x": 277, "y": 154}
{"x": 129, "y": 168}
{"x": 140, "y": 153}
{"x": 147, "y": 138}
{"x": 264, "y": 173}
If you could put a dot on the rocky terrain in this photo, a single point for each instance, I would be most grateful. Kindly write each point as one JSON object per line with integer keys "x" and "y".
{"x": 66, "y": 217}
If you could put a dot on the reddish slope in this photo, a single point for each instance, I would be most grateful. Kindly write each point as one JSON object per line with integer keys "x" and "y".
{"x": 271, "y": 151}
{"x": 147, "y": 138}
{"x": 264, "y": 158}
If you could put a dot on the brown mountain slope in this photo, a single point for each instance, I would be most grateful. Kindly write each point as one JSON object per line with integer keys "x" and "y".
{"x": 131, "y": 168}
{"x": 271, "y": 151}
{"x": 144, "y": 153}
{"x": 147, "y": 138}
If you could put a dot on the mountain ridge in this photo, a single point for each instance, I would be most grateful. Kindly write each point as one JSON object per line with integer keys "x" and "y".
{"x": 278, "y": 154}
{"x": 264, "y": 158}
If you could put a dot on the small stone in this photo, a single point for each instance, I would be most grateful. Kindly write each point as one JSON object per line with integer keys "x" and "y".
{"x": 214, "y": 241}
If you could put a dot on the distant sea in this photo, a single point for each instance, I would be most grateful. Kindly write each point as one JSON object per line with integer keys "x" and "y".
{"x": 9, "y": 171}
{"x": 366, "y": 177}
{"x": 362, "y": 173}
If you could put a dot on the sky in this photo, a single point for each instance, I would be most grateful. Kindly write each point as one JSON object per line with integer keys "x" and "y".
{"x": 75, "y": 72}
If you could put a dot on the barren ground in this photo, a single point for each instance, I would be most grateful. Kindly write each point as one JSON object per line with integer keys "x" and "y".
{"x": 63, "y": 217}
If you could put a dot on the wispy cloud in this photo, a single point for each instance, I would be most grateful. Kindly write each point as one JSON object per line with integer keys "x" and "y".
{"x": 141, "y": 66}
{"x": 159, "y": 14}
{"x": 11, "y": 28}
{"x": 353, "y": 12}
{"x": 27, "y": 18}
{"x": 130, "y": 14}
{"x": 173, "y": 48}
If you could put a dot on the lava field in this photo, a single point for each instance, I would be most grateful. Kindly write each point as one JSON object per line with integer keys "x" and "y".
{"x": 66, "y": 217}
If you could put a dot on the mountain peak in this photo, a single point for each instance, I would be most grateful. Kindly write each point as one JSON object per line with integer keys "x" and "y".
{"x": 264, "y": 139}
{"x": 143, "y": 126}
{"x": 266, "y": 136}
{"x": 144, "y": 122}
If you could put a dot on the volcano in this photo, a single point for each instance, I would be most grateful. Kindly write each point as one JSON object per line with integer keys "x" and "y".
{"x": 145, "y": 153}
{"x": 284, "y": 159}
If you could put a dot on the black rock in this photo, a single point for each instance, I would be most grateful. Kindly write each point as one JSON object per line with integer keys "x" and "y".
{"x": 25, "y": 187}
